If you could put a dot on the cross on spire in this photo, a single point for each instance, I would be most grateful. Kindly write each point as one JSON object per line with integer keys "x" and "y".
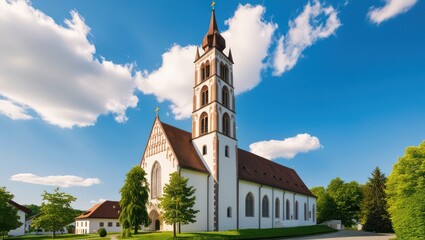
{"x": 212, "y": 4}
{"x": 157, "y": 110}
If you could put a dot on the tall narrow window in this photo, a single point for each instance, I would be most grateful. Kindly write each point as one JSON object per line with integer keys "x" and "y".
{"x": 265, "y": 206}
{"x": 226, "y": 151}
{"x": 226, "y": 124}
{"x": 204, "y": 150}
{"x": 224, "y": 72}
{"x": 249, "y": 205}
{"x": 305, "y": 211}
{"x": 204, "y": 96}
{"x": 314, "y": 213}
{"x": 296, "y": 210}
{"x": 203, "y": 72}
{"x": 288, "y": 209}
{"x": 204, "y": 123}
{"x": 207, "y": 69}
{"x": 277, "y": 208}
{"x": 225, "y": 96}
{"x": 156, "y": 181}
{"x": 229, "y": 212}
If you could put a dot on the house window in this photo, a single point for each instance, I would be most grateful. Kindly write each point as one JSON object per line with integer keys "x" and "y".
{"x": 117, "y": 224}
{"x": 287, "y": 209}
{"x": 265, "y": 206}
{"x": 226, "y": 124}
{"x": 204, "y": 96}
{"x": 277, "y": 208}
{"x": 305, "y": 211}
{"x": 156, "y": 181}
{"x": 85, "y": 223}
{"x": 204, "y": 150}
{"x": 109, "y": 224}
{"x": 204, "y": 123}
{"x": 226, "y": 151}
{"x": 249, "y": 205}
{"x": 225, "y": 96}
{"x": 296, "y": 210}
{"x": 229, "y": 212}
{"x": 101, "y": 224}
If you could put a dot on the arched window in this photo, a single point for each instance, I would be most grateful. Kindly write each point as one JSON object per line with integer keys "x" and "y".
{"x": 277, "y": 208}
{"x": 204, "y": 123}
{"x": 225, "y": 96}
{"x": 288, "y": 209}
{"x": 226, "y": 124}
{"x": 156, "y": 189}
{"x": 207, "y": 69}
{"x": 204, "y": 150}
{"x": 296, "y": 210}
{"x": 204, "y": 96}
{"x": 265, "y": 206}
{"x": 249, "y": 205}
{"x": 305, "y": 211}
{"x": 203, "y": 72}
{"x": 226, "y": 151}
{"x": 224, "y": 72}
{"x": 229, "y": 212}
{"x": 314, "y": 213}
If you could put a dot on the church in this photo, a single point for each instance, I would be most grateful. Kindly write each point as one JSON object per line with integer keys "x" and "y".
{"x": 235, "y": 189}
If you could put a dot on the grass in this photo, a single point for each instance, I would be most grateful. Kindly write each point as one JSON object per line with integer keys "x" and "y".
{"x": 240, "y": 234}
{"x": 61, "y": 236}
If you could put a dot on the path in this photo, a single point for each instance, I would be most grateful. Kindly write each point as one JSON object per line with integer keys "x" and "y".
{"x": 347, "y": 235}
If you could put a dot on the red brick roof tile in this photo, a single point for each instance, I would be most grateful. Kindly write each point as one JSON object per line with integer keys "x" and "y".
{"x": 107, "y": 209}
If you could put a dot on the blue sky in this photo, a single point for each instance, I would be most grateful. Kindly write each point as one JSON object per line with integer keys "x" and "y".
{"x": 338, "y": 85}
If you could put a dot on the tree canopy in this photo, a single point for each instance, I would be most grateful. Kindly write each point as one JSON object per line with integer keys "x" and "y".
{"x": 374, "y": 207}
{"x": 9, "y": 218}
{"x": 55, "y": 212}
{"x": 406, "y": 194}
{"x": 325, "y": 204}
{"x": 134, "y": 199}
{"x": 177, "y": 201}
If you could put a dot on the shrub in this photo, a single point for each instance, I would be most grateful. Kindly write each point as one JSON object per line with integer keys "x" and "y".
{"x": 102, "y": 232}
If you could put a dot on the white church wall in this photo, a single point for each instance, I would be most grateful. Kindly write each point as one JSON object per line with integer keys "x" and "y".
{"x": 246, "y": 187}
{"x": 266, "y": 222}
{"x": 200, "y": 182}
{"x": 206, "y": 140}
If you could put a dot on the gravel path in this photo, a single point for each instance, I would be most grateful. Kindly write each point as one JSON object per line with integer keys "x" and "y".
{"x": 348, "y": 235}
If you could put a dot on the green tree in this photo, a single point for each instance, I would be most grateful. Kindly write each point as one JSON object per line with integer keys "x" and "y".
{"x": 406, "y": 194}
{"x": 177, "y": 202}
{"x": 9, "y": 218}
{"x": 374, "y": 206}
{"x": 348, "y": 198}
{"x": 134, "y": 198}
{"x": 56, "y": 211}
{"x": 325, "y": 204}
{"x": 35, "y": 209}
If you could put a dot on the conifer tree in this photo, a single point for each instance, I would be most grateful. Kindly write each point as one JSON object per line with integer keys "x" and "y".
{"x": 177, "y": 202}
{"x": 134, "y": 198}
{"x": 9, "y": 218}
{"x": 374, "y": 206}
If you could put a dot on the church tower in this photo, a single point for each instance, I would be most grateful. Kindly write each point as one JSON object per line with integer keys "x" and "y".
{"x": 214, "y": 126}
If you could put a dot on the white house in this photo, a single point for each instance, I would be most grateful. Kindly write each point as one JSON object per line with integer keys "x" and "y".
{"x": 101, "y": 215}
{"x": 21, "y": 213}
{"x": 235, "y": 189}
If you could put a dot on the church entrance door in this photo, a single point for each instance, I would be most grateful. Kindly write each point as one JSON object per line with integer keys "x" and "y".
{"x": 157, "y": 225}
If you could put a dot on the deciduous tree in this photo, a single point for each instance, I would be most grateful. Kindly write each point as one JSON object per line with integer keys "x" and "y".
{"x": 55, "y": 212}
{"x": 178, "y": 201}
{"x": 9, "y": 218}
{"x": 406, "y": 194}
{"x": 326, "y": 206}
{"x": 134, "y": 199}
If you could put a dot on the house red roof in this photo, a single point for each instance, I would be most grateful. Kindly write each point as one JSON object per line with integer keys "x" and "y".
{"x": 20, "y": 207}
{"x": 251, "y": 167}
{"x": 107, "y": 209}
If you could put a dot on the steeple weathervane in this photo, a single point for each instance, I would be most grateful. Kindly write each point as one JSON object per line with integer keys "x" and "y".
{"x": 157, "y": 110}
{"x": 212, "y": 5}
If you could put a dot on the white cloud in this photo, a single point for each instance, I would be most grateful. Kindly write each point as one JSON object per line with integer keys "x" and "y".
{"x": 51, "y": 70}
{"x": 315, "y": 22}
{"x": 14, "y": 111}
{"x": 286, "y": 148}
{"x": 59, "y": 180}
{"x": 391, "y": 9}
{"x": 101, "y": 200}
{"x": 249, "y": 36}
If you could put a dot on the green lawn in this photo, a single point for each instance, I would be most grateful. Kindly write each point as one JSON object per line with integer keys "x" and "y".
{"x": 240, "y": 234}
{"x": 61, "y": 236}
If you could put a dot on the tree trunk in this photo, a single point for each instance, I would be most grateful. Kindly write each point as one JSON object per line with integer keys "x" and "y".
{"x": 54, "y": 234}
{"x": 180, "y": 228}
{"x": 174, "y": 229}
{"x": 135, "y": 229}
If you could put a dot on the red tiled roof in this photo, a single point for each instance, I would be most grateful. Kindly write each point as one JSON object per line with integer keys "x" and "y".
{"x": 181, "y": 142}
{"x": 257, "y": 169}
{"x": 20, "y": 207}
{"x": 107, "y": 209}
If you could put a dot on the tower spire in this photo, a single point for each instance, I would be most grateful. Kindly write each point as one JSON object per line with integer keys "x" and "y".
{"x": 213, "y": 37}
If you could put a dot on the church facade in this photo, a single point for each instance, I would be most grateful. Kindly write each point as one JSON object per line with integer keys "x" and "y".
{"x": 235, "y": 189}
